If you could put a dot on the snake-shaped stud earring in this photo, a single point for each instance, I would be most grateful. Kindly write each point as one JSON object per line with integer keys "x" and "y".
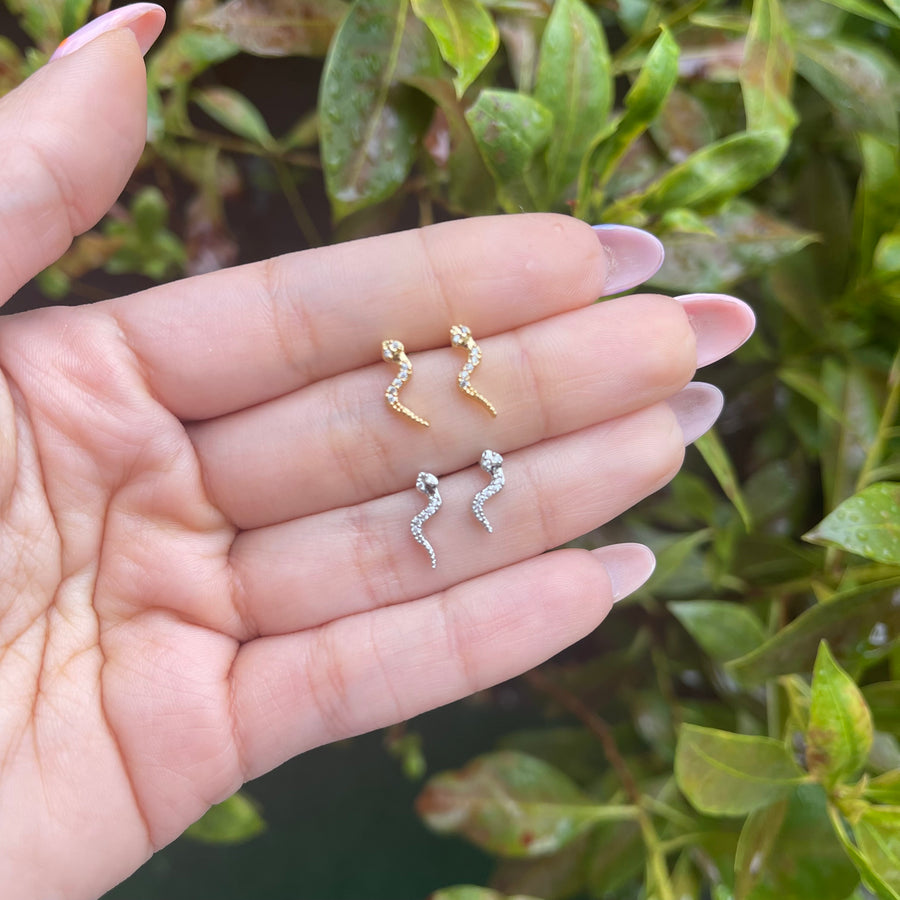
{"x": 492, "y": 463}
{"x": 461, "y": 336}
{"x": 428, "y": 485}
{"x": 394, "y": 351}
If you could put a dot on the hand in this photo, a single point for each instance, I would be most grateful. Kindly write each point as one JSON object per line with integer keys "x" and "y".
{"x": 205, "y": 501}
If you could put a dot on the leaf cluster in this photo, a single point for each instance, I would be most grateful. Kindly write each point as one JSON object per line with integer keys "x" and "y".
{"x": 733, "y": 731}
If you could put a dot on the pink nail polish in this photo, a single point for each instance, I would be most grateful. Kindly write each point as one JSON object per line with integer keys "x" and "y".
{"x": 633, "y": 256}
{"x": 696, "y": 407}
{"x": 721, "y": 324}
{"x": 145, "y": 20}
{"x": 628, "y": 567}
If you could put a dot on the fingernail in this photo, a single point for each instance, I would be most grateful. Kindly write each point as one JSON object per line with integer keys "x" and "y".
{"x": 633, "y": 256}
{"x": 696, "y": 407}
{"x": 721, "y": 324}
{"x": 628, "y": 567}
{"x": 145, "y": 20}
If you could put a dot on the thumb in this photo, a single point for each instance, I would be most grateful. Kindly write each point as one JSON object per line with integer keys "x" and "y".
{"x": 70, "y": 137}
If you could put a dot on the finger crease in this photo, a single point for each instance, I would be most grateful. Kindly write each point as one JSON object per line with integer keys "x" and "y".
{"x": 529, "y": 368}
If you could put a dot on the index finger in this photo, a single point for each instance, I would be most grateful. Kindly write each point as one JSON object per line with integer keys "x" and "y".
{"x": 225, "y": 341}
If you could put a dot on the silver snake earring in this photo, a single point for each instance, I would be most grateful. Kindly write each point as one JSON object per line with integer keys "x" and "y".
{"x": 492, "y": 463}
{"x": 428, "y": 485}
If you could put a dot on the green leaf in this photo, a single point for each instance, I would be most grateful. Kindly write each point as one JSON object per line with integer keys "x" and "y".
{"x": 559, "y": 874}
{"x": 884, "y": 788}
{"x": 789, "y": 850}
{"x": 857, "y": 80}
{"x": 615, "y": 857}
{"x": 520, "y": 33}
{"x": 867, "y": 10}
{"x": 465, "y": 33}
{"x": 570, "y": 748}
{"x": 846, "y": 621}
{"x": 278, "y": 27}
{"x": 574, "y": 81}
{"x": 472, "y": 892}
{"x": 867, "y": 524}
{"x": 716, "y": 173}
{"x": 370, "y": 125}
{"x": 510, "y": 128}
{"x": 673, "y": 558}
{"x": 512, "y": 805}
{"x": 724, "y": 630}
{"x": 186, "y": 54}
{"x": 41, "y": 20}
{"x": 739, "y": 241}
{"x": 878, "y": 836}
{"x": 74, "y": 14}
{"x": 643, "y": 102}
{"x": 883, "y": 700}
{"x": 844, "y": 446}
{"x": 233, "y": 821}
{"x": 878, "y": 198}
{"x": 840, "y": 731}
{"x": 885, "y": 753}
{"x": 406, "y": 747}
{"x": 767, "y": 71}
{"x": 725, "y": 774}
{"x": 236, "y": 113}
{"x": 808, "y": 385}
{"x": 870, "y": 876}
{"x": 716, "y": 456}
{"x": 886, "y": 260}
{"x": 682, "y": 127}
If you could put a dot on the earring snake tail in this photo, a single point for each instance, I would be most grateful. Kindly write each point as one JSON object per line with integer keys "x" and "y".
{"x": 461, "y": 336}
{"x": 394, "y": 351}
{"x": 428, "y": 485}
{"x": 492, "y": 463}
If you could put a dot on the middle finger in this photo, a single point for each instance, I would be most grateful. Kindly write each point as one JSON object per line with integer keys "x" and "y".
{"x": 337, "y": 443}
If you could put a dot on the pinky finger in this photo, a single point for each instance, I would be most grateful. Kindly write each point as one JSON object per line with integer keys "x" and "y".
{"x": 296, "y": 691}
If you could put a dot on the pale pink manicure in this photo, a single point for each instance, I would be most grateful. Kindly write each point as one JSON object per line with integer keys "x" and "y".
{"x": 721, "y": 324}
{"x": 145, "y": 20}
{"x": 633, "y": 256}
{"x": 696, "y": 407}
{"x": 628, "y": 567}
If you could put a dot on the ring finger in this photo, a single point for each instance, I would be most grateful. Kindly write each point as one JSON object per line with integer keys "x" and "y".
{"x": 337, "y": 443}
{"x": 362, "y": 557}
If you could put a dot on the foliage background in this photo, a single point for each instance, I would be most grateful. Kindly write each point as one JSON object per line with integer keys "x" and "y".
{"x": 732, "y": 731}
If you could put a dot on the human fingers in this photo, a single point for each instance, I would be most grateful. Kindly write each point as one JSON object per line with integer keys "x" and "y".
{"x": 296, "y": 691}
{"x": 346, "y": 561}
{"x": 70, "y": 136}
{"x": 337, "y": 443}
{"x": 228, "y": 340}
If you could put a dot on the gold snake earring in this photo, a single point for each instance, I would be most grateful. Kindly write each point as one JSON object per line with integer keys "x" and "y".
{"x": 393, "y": 351}
{"x": 461, "y": 336}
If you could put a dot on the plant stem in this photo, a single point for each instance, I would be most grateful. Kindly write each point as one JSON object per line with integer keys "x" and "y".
{"x": 245, "y": 148}
{"x": 885, "y": 425}
{"x": 631, "y": 45}
{"x": 656, "y": 859}
{"x": 298, "y": 208}
{"x": 773, "y": 698}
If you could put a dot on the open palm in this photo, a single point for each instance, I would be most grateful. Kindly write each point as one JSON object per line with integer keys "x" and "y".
{"x": 205, "y": 501}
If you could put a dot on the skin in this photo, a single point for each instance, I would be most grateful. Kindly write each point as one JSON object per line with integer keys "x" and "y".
{"x": 205, "y": 501}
